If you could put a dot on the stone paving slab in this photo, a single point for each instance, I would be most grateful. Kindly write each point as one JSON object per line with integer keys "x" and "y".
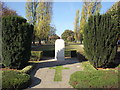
{"x": 45, "y": 76}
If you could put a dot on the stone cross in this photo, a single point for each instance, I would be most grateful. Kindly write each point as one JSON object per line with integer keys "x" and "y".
{"x": 59, "y": 49}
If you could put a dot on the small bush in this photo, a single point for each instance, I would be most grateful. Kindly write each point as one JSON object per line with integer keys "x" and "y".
{"x": 27, "y": 69}
{"x": 14, "y": 80}
{"x": 36, "y": 55}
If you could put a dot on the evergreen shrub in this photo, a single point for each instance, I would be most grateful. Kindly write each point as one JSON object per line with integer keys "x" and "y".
{"x": 100, "y": 40}
{"x": 14, "y": 80}
{"x": 16, "y": 41}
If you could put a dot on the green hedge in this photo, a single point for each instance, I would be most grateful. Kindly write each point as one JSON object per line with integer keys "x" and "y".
{"x": 15, "y": 80}
{"x": 67, "y": 53}
{"x": 100, "y": 40}
{"x": 16, "y": 38}
{"x": 51, "y": 53}
{"x": 71, "y": 53}
{"x": 36, "y": 55}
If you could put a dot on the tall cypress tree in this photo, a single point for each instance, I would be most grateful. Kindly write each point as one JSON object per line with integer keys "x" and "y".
{"x": 88, "y": 9}
{"x": 31, "y": 14}
{"x": 76, "y": 26}
{"x": 100, "y": 40}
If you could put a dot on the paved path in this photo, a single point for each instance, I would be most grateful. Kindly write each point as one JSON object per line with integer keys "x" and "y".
{"x": 43, "y": 77}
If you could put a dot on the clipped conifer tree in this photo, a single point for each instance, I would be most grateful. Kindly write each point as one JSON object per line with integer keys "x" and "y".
{"x": 16, "y": 41}
{"x": 100, "y": 40}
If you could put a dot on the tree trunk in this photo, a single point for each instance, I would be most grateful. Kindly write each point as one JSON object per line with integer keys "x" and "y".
{"x": 33, "y": 40}
{"x": 81, "y": 38}
{"x": 39, "y": 41}
{"x": 81, "y": 41}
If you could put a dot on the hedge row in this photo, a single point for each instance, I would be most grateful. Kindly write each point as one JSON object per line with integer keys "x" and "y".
{"x": 16, "y": 41}
{"x": 51, "y": 53}
{"x": 37, "y": 55}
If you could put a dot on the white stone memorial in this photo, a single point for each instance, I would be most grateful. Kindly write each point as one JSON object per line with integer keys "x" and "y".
{"x": 59, "y": 49}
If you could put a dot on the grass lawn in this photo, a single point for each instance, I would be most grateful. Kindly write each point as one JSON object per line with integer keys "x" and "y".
{"x": 92, "y": 78}
{"x": 43, "y": 47}
{"x": 58, "y": 72}
{"x": 74, "y": 47}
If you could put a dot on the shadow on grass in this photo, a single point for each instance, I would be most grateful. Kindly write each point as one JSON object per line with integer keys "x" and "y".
{"x": 118, "y": 57}
{"x": 35, "y": 81}
{"x": 81, "y": 57}
{"x": 114, "y": 64}
{"x": 117, "y": 61}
